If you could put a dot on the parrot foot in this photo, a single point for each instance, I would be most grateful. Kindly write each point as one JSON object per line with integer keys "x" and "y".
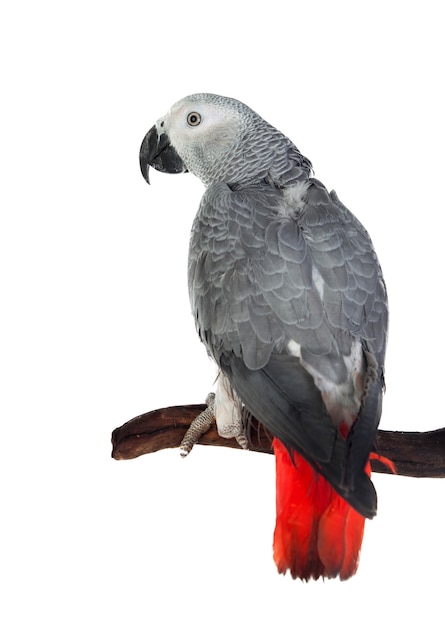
{"x": 243, "y": 441}
{"x": 234, "y": 430}
{"x": 198, "y": 427}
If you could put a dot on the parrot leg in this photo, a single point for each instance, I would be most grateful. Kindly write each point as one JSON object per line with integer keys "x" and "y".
{"x": 224, "y": 408}
{"x": 199, "y": 426}
{"x": 229, "y": 413}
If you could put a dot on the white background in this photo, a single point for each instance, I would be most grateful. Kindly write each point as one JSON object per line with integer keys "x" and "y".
{"x": 95, "y": 318}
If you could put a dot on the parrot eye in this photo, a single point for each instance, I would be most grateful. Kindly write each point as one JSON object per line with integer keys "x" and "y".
{"x": 193, "y": 119}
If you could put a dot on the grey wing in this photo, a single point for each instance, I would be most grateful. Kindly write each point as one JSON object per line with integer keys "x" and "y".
{"x": 261, "y": 277}
{"x": 353, "y": 290}
{"x": 250, "y": 276}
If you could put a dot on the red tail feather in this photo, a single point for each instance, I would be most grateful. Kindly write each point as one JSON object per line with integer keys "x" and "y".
{"x": 317, "y": 532}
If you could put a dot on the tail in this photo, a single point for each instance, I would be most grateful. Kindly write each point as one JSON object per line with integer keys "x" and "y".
{"x": 317, "y": 532}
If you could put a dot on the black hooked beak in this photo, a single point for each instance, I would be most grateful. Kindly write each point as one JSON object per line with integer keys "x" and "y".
{"x": 156, "y": 151}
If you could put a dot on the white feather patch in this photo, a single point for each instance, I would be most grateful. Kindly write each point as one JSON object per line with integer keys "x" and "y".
{"x": 296, "y": 195}
{"x": 341, "y": 400}
{"x": 318, "y": 281}
{"x": 294, "y": 348}
{"x": 228, "y": 409}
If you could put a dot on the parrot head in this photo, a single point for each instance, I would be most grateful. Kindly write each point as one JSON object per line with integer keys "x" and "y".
{"x": 220, "y": 139}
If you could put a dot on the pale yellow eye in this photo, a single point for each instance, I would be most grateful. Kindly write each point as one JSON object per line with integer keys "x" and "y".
{"x": 193, "y": 119}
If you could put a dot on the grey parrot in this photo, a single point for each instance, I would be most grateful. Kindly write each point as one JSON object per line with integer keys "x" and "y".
{"x": 289, "y": 299}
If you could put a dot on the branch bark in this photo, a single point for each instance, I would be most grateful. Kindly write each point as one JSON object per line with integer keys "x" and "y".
{"x": 419, "y": 454}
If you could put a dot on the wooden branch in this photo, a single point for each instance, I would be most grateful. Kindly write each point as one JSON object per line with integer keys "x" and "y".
{"x": 413, "y": 453}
